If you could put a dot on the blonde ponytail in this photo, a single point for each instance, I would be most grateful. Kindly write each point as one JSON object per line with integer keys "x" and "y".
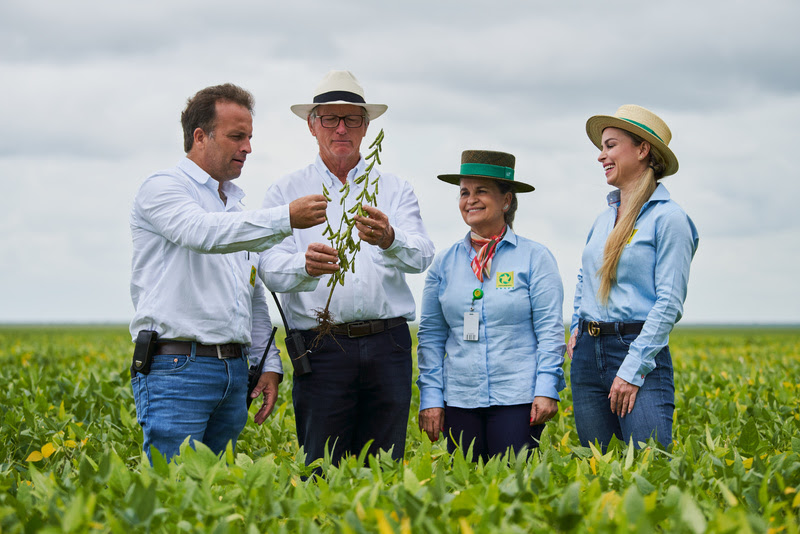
{"x": 621, "y": 234}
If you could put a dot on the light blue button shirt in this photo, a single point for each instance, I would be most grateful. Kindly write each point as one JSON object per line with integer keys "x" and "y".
{"x": 520, "y": 346}
{"x": 652, "y": 277}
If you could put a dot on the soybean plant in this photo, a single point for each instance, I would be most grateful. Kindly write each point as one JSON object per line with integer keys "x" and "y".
{"x": 342, "y": 238}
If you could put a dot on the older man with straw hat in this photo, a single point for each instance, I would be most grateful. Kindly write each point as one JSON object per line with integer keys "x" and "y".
{"x": 359, "y": 387}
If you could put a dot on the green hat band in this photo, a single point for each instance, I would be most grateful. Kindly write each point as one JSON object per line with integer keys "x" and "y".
{"x": 484, "y": 169}
{"x": 643, "y": 127}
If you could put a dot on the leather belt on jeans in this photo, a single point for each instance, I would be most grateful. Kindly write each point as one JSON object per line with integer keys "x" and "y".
{"x": 596, "y": 328}
{"x": 366, "y": 328}
{"x": 223, "y": 352}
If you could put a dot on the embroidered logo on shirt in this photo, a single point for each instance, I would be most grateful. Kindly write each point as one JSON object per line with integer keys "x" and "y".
{"x": 252, "y": 276}
{"x": 505, "y": 280}
{"x": 632, "y": 234}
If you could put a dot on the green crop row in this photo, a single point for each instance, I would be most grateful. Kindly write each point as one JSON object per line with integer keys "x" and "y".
{"x": 71, "y": 457}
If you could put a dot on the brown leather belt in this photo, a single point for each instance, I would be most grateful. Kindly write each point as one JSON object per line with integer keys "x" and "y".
{"x": 223, "y": 352}
{"x": 366, "y": 328}
{"x": 596, "y": 328}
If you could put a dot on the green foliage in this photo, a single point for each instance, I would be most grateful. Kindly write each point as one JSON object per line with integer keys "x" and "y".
{"x": 342, "y": 238}
{"x": 72, "y": 459}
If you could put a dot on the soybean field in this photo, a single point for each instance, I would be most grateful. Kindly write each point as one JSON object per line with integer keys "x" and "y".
{"x": 72, "y": 462}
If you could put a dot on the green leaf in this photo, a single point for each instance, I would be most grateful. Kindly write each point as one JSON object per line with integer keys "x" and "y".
{"x": 691, "y": 515}
{"x": 749, "y": 438}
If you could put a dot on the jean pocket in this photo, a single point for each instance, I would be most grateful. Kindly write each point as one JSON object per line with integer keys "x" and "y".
{"x": 627, "y": 339}
{"x": 401, "y": 338}
{"x": 169, "y": 363}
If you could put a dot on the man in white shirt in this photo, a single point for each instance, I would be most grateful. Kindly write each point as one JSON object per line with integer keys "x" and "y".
{"x": 194, "y": 282}
{"x": 359, "y": 388}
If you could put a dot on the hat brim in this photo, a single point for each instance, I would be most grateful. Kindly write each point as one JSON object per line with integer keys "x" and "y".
{"x": 373, "y": 110}
{"x": 595, "y": 126}
{"x": 455, "y": 179}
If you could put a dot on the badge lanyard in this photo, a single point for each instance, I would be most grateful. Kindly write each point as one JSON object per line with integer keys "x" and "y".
{"x": 471, "y": 318}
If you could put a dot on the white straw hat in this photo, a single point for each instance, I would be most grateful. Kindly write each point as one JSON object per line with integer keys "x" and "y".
{"x": 339, "y": 87}
{"x": 639, "y": 121}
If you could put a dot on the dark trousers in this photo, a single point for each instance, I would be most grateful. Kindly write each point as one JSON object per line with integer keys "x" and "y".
{"x": 358, "y": 390}
{"x": 493, "y": 429}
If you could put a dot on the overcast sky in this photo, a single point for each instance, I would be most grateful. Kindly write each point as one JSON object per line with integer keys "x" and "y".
{"x": 92, "y": 92}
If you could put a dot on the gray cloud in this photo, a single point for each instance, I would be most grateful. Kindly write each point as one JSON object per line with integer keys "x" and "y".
{"x": 94, "y": 89}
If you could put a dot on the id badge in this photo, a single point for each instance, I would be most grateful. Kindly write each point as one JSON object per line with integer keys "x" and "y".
{"x": 470, "y": 326}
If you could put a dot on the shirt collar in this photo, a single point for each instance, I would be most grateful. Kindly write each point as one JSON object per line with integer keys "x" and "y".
{"x": 510, "y": 238}
{"x": 659, "y": 195}
{"x": 234, "y": 193}
{"x": 331, "y": 179}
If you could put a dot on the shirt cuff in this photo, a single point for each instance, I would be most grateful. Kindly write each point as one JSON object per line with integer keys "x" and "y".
{"x": 272, "y": 365}
{"x": 397, "y": 243}
{"x": 284, "y": 221}
{"x": 548, "y": 386}
{"x": 431, "y": 398}
{"x": 633, "y": 371}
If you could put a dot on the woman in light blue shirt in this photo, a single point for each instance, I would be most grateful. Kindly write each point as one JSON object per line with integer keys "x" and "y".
{"x": 491, "y": 336}
{"x": 631, "y": 287}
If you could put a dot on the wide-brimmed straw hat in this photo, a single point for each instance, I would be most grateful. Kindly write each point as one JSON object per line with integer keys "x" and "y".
{"x": 497, "y": 166}
{"x": 639, "y": 121}
{"x": 339, "y": 87}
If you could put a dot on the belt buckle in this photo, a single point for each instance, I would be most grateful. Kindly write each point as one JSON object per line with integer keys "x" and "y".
{"x": 219, "y": 353}
{"x": 358, "y": 325}
{"x": 594, "y": 328}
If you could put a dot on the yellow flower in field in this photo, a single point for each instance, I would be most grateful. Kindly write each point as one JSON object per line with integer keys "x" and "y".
{"x": 789, "y": 491}
{"x": 35, "y": 456}
{"x": 724, "y": 375}
{"x": 465, "y": 528}
{"x": 71, "y": 444}
{"x": 748, "y": 463}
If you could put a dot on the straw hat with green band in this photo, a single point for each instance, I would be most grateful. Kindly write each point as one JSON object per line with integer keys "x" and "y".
{"x": 489, "y": 164}
{"x": 639, "y": 121}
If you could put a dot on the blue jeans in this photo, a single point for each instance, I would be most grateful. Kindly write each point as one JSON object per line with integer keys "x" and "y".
{"x": 358, "y": 390}
{"x": 595, "y": 362}
{"x": 195, "y": 396}
{"x": 493, "y": 429}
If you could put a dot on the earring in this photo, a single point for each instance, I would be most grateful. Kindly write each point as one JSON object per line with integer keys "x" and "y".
{"x": 505, "y": 207}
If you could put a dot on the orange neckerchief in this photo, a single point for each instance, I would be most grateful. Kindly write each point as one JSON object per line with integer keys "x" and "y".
{"x": 482, "y": 262}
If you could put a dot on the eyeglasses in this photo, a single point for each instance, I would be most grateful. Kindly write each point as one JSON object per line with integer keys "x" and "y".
{"x": 332, "y": 121}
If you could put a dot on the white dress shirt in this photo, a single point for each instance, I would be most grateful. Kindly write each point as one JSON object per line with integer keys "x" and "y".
{"x": 192, "y": 275}
{"x": 377, "y": 289}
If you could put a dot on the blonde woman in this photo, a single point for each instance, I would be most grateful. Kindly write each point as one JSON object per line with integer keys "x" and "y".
{"x": 631, "y": 287}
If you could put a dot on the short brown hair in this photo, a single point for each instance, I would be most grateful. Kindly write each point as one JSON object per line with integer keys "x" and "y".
{"x": 201, "y": 109}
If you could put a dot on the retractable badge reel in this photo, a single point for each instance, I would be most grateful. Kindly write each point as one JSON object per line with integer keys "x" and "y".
{"x": 471, "y": 321}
